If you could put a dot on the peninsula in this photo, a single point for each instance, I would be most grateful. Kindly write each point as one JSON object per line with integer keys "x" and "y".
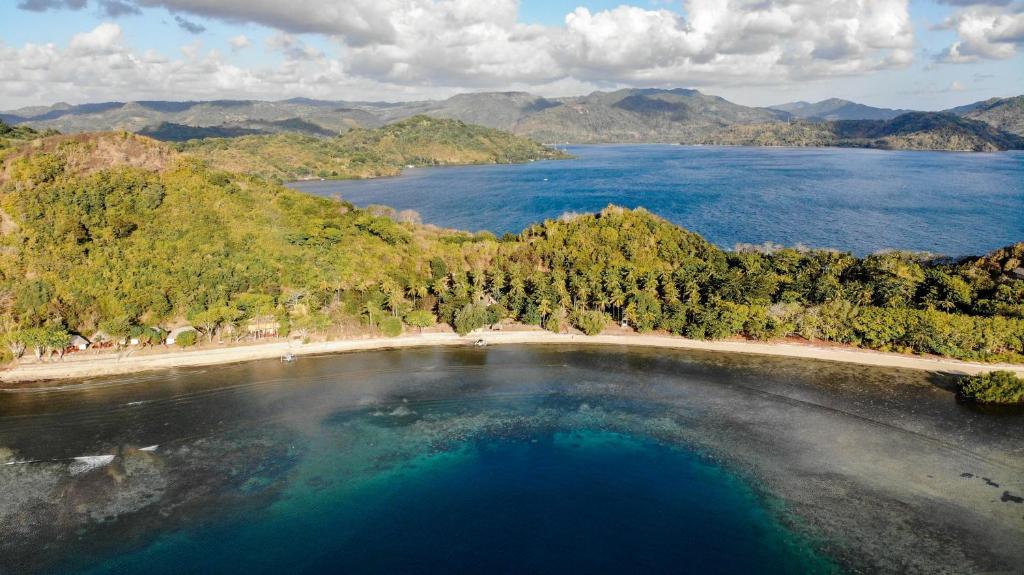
{"x": 116, "y": 240}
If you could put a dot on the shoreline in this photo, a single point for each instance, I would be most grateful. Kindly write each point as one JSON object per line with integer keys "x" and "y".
{"x": 114, "y": 364}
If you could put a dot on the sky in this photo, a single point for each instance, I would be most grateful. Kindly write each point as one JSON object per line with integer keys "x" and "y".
{"x": 914, "y": 54}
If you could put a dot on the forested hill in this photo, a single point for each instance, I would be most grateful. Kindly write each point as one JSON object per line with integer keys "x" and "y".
{"x": 912, "y": 131}
{"x": 118, "y": 234}
{"x": 1006, "y": 114}
{"x": 837, "y": 109}
{"x": 366, "y": 153}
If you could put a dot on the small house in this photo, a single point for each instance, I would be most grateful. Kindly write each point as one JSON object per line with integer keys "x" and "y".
{"x": 79, "y": 343}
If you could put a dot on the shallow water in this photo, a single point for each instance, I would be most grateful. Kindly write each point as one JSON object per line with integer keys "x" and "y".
{"x": 510, "y": 459}
{"x": 856, "y": 200}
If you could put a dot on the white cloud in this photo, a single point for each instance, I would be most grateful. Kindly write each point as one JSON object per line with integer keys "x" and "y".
{"x": 422, "y": 47}
{"x": 361, "y": 21}
{"x": 103, "y": 39}
{"x": 985, "y": 32}
{"x": 739, "y": 41}
{"x": 240, "y": 42}
{"x": 96, "y": 66}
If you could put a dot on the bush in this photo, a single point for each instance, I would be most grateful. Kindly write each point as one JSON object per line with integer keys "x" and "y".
{"x": 472, "y": 316}
{"x": 590, "y": 322}
{"x": 391, "y": 327}
{"x": 994, "y": 387}
{"x": 186, "y": 338}
{"x": 555, "y": 322}
{"x": 496, "y": 313}
{"x": 420, "y": 318}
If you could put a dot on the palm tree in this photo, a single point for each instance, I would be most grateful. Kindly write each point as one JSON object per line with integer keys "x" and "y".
{"x": 416, "y": 289}
{"x": 394, "y": 296}
{"x": 440, "y": 286}
{"x": 544, "y": 308}
{"x": 618, "y": 299}
{"x": 370, "y": 309}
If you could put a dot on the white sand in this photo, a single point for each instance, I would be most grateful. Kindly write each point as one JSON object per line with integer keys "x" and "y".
{"x": 112, "y": 364}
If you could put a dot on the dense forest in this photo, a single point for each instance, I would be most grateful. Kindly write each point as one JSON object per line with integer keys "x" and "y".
{"x": 367, "y": 153}
{"x": 119, "y": 235}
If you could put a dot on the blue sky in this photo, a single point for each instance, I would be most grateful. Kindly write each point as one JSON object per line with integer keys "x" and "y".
{"x": 894, "y": 53}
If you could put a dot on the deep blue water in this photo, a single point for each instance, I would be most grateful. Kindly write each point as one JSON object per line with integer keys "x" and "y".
{"x": 578, "y": 501}
{"x": 856, "y": 200}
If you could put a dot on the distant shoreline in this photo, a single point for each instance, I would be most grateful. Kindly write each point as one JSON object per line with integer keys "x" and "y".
{"x": 114, "y": 364}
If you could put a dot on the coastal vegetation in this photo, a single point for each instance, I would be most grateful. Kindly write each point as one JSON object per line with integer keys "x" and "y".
{"x": 994, "y": 387}
{"x": 116, "y": 236}
{"x": 367, "y": 153}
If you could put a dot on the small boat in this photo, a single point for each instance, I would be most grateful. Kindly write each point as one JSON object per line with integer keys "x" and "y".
{"x": 480, "y": 343}
{"x": 288, "y": 357}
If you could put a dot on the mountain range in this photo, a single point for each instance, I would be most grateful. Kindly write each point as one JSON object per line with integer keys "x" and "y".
{"x": 622, "y": 116}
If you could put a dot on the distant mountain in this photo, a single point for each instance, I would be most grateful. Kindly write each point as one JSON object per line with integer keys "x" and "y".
{"x": 911, "y": 131}
{"x": 171, "y": 132}
{"x": 1006, "y": 114}
{"x": 332, "y": 117}
{"x": 837, "y": 109}
{"x": 634, "y": 115}
{"x": 640, "y": 116}
{"x": 647, "y": 115}
{"x": 500, "y": 110}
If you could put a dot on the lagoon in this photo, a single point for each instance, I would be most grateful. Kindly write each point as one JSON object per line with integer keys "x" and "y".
{"x": 510, "y": 458}
{"x": 862, "y": 201}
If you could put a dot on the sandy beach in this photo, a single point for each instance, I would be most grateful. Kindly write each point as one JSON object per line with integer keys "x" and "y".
{"x": 114, "y": 364}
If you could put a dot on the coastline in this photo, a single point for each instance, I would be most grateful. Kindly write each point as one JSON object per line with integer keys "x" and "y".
{"x": 116, "y": 364}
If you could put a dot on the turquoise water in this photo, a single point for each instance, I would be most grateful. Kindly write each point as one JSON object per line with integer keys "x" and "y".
{"x": 856, "y": 200}
{"x": 508, "y": 459}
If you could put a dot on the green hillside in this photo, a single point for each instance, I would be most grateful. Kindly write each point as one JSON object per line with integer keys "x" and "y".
{"x": 120, "y": 233}
{"x": 1006, "y": 114}
{"x": 367, "y": 153}
{"x": 13, "y": 136}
